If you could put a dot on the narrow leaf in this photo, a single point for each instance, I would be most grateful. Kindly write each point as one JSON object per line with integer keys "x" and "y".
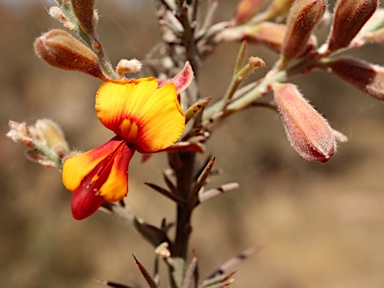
{"x": 240, "y": 57}
{"x": 206, "y": 195}
{"x": 232, "y": 263}
{"x": 203, "y": 176}
{"x": 186, "y": 146}
{"x": 170, "y": 184}
{"x": 217, "y": 281}
{"x": 112, "y": 284}
{"x": 146, "y": 275}
{"x": 195, "y": 108}
{"x": 174, "y": 197}
{"x": 151, "y": 233}
{"x": 190, "y": 273}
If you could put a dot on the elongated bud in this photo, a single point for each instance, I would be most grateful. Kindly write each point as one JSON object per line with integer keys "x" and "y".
{"x": 302, "y": 20}
{"x": 374, "y": 23}
{"x": 309, "y": 133}
{"x": 84, "y": 11}
{"x": 62, "y": 50}
{"x": 365, "y": 76}
{"x": 246, "y": 9}
{"x": 48, "y": 131}
{"x": 350, "y": 16}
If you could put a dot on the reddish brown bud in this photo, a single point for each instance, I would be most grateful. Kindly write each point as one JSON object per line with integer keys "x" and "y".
{"x": 365, "y": 76}
{"x": 350, "y": 16}
{"x": 302, "y": 20}
{"x": 64, "y": 51}
{"x": 309, "y": 133}
{"x": 84, "y": 11}
{"x": 246, "y": 9}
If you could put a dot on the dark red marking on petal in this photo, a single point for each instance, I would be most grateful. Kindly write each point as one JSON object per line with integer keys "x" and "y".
{"x": 86, "y": 199}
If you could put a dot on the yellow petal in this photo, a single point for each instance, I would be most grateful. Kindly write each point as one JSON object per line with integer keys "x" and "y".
{"x": 144, "y": 115}
{"x": 102, "y": 171}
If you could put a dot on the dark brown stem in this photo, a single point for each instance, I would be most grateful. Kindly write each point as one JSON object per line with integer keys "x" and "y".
{"x": 184, "y": 175}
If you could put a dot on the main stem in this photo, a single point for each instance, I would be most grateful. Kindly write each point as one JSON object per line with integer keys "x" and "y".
{"x": 185, "y": 179}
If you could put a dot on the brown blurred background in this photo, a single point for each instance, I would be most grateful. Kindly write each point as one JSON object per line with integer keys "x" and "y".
{"x": 322, "y": 225}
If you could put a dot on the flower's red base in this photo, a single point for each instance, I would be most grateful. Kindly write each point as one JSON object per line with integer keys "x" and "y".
{"x": 85, "y": 203}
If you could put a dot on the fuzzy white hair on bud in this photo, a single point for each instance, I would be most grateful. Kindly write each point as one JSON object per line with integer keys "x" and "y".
{"x": 128, "y": 66}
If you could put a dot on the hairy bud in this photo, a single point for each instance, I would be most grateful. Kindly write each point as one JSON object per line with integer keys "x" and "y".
{"x": 84, "y": 11}
{"x": 350, "y": 16}
{"x": 246, "y": 9}
{"x": 302, "y": 20}
{"x": 128, "y": 66}
{"x": 45, "y": 138}
{"x": 309, "y": 133}
{"x": 62, "y": 50}
{"x": 365, "y": 76}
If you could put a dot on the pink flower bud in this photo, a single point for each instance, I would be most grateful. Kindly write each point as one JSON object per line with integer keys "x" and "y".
{"x": 309, "y": 133}
{"x": 302, "y": 20}
{"x": 64, "y": 51}
{"x": 365, "y": 76}
{"x": 350, "y": 17}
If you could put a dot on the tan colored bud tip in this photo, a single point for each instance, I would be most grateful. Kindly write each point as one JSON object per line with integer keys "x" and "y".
{"x": 256, "y": 62}
{"x": 350, "y": 16}
{"x": 128, "y": 66}
{"x": 52, "y": 134}
{"x": 365, "y": 76}
{"x": 246, "y": 9}
{"x": 45, "y": 138}
{"x": 62, "y": 50}
{"x": 303, "y": 17}
{"x": 309, "y": 133}
{"x": 84, "y": 11}
{"x": 56, "y": 13}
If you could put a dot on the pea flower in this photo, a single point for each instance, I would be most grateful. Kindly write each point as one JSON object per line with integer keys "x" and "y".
{"x": 146, "y": 116}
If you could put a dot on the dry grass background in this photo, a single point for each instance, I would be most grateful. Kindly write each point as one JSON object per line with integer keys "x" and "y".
{"x": 322, "y": 225}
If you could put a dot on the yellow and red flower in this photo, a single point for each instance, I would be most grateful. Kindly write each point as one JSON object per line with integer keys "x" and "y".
{"x": 146, "y": 116}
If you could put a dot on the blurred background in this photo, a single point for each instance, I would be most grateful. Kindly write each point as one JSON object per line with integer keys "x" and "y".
{"x": 322, "y": 225}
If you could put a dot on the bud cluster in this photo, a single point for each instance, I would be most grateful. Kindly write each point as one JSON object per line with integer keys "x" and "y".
{"x": 45, "y": 140}
{"x": 354, "y": 23}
